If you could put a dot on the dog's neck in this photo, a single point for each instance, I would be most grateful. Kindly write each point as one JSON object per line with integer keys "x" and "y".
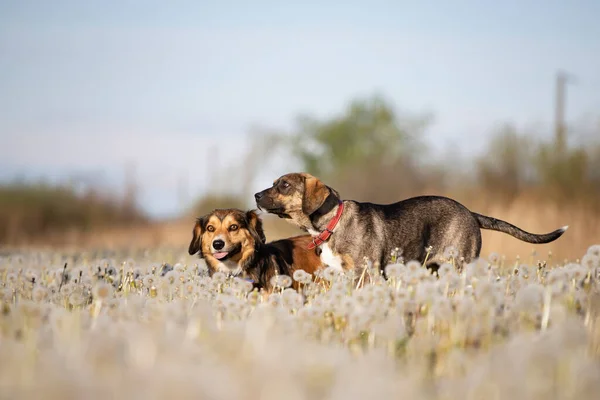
{"x": 321, "y": 217}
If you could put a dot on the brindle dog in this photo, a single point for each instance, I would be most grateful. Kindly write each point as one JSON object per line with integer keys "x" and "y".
{"x": 375, "y": 230}
{"x": 233, "y": 241}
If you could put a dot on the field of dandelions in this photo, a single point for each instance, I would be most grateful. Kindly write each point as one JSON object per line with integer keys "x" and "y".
{"x": 147, "y": 325}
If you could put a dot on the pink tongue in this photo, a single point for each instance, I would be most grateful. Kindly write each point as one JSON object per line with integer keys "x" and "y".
{"x": 218, "y": 256}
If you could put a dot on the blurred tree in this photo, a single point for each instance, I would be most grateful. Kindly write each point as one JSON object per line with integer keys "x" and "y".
{"x": 368, "y": 132}
{"x": 507, "y": 166}
{"x": 515, "y": 163}
{"x": 38, "y": 210}
{"x": 368, "y": 151}
{"x": 567, "y": 175}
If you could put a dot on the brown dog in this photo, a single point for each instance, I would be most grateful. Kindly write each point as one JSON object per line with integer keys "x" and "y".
{"x": 233, "y": 241}
{"x": 349, "y": 231}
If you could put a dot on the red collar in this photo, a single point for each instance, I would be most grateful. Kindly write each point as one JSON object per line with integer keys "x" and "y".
{"x": 324, "y": 235}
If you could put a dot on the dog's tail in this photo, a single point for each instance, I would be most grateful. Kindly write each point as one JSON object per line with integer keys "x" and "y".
{"x": 503, "y": 226}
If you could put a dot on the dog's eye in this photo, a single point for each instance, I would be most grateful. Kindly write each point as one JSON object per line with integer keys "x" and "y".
{"x": 233, "y": 227}
{"x": 285, "y": 185}
{"x": 210, "y": 228}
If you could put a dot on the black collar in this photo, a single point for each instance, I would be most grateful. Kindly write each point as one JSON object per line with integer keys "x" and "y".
{"x": 330, "y": 203}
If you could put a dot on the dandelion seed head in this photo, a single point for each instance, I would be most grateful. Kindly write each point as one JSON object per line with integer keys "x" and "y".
{"x": 590, "y": 261}
{"x": 393, "y": 270}
{"x": 149, "y": 280}
{"x": 494, "y": 258}
{"x": 530, "y": 297}
{"x": 275, "y": 300}
{"x": 283, "y": 281}
{"x": 77, "y": 299}
{"x": 445, "y": 269}
{"x": 205, "y": 295}
{"x": 253, "y": 297}
{"x": 204, "y": 282}
{"x": 442, "y": 309}
{"x": 67, "y": 289}
{"x": 189, "y": 289}
{"x": 594, "y": 250}
{"x": 171, "y": 277}
{"x": 52, "y": 288}
{"x": 526, "y": 270}
{"x": 219, "y": 277}
{"x": 579, "y": 272}
{"x": 39, "y": 294}
{"x": 6, "y": 295}
{"x": 427, "y": 291}
{"x": 111, "y": 270}
{"x": 31, "y": 275}
{"x": 246, "y": 286}
{"x": 328, "y": 330}
{"x": 464, "y": 306}
{"x": 102, "y": 291}
{"x": 346, "y": 306}
{"x": 330, "y": 273}
{"x": 450, "y": 252}
{"x": 12, "y": 278}
{"x": 558, "y": 287}
{"x": 556, "y": 275}
{"x": 299, "y": 276}
{"x": 477, "y": 268}
{"x": 425, "y": 275}
{"x": 179, "y": 267}
{"x": 469, "y": 291}
{"x": 413, "y": 266}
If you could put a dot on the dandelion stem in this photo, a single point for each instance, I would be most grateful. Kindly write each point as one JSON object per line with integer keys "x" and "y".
{"x": 62, "y": 277}
{"x": 546, "y": 309}
{"x": 362, "y": 276}
{"x": 427, "y": 255}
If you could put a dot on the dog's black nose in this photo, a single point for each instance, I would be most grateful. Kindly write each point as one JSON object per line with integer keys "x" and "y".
{"x": 218, "y": 244}
{"x": 258, "y": 195}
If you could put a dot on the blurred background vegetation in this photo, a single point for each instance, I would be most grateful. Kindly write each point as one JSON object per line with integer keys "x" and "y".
{"x": 51, "y": 212}
{"x": 209, "y": 103}
{"x": 370, "y": 151}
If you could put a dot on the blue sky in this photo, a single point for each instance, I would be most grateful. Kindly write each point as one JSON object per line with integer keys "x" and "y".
{"x": 88, "y": 87}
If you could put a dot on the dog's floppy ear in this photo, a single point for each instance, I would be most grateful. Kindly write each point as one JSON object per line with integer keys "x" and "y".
{"x": 315, "y": 194}
{"x": 255, "y": 227}
{"x": 196, "y": 243}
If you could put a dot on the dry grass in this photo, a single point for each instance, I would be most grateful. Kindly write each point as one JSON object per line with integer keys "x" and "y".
{"x": 536, "y": 217}
{"x": 114, "y": 327}
{"x": 542, "y": 218}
